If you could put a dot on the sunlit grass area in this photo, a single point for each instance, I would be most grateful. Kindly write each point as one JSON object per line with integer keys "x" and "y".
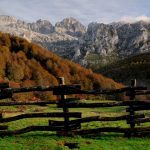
{"x": 48, "y": 140}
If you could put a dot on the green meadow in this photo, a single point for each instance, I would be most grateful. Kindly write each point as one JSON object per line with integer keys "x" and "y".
{"x": 48, "y": 140}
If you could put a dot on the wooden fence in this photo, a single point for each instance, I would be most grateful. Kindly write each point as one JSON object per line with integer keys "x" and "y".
{"x": 74, "y": 126}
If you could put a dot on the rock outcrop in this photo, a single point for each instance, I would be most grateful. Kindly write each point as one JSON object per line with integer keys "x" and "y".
{"x": 100, "y": 40}
{"x": 133, "y": 38}
{"x": 70, "y": 26}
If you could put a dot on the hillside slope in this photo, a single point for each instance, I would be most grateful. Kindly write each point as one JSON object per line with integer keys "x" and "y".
{"x": 29, "y": 64}
{"x": 135, "y": 67}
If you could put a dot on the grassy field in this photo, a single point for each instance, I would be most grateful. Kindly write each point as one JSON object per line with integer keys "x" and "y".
{"x": 49, "y": 140}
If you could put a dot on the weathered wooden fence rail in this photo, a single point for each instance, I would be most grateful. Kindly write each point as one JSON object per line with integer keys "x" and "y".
{"x": 74, "y": 126}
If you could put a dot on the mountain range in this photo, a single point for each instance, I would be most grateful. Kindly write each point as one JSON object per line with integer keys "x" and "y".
{"x": 61, "y": 38}
{"x": 97, "y": 45}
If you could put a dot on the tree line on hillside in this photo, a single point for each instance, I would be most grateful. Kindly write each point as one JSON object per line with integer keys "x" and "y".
{"x": 26, "y": 64}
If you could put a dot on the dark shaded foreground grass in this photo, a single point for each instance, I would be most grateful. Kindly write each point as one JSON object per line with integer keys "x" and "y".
{"x": 48, "y": 141}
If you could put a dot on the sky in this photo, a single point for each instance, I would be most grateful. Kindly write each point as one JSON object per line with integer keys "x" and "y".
{"x": 86, "y": 11}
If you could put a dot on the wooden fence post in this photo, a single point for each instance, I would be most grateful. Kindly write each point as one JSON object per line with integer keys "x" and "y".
{"x": 131, "y": 109}
{"x": 1, "y": 115}
{"x": 65, "y": 109}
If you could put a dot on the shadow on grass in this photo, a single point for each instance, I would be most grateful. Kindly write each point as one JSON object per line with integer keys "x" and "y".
{"x": 90, "y": 136}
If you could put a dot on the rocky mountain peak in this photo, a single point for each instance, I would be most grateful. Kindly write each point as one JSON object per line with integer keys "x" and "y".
{"x": 70, "y": 26}
{"x": 43, "y": 22}
{"x": 7, "y": 19}
{"x": 42, "y": 26}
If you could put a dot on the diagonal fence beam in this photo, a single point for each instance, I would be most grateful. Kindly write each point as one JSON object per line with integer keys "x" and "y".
{"x": 95, "y": 118}
{"x": 41, "y": 115}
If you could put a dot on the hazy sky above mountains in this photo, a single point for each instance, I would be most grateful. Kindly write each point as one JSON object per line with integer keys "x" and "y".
{"x": 85, "y": 11}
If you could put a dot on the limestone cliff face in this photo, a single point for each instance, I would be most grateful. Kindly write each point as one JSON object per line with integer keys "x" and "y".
{"x": 134, "y": 38}
{"x": 100, "y": 40}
